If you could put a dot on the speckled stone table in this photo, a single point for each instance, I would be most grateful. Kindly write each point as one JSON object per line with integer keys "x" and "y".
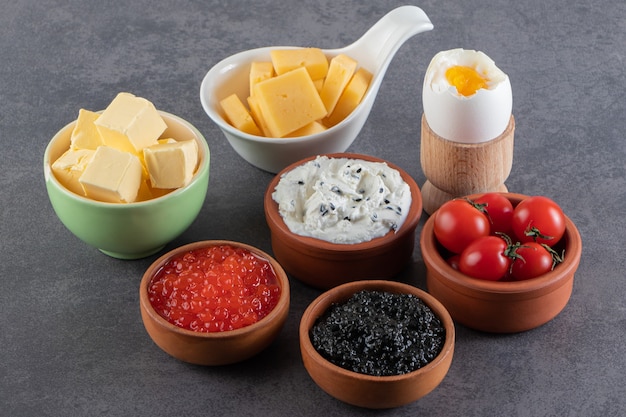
{"x": 71, "y": 337}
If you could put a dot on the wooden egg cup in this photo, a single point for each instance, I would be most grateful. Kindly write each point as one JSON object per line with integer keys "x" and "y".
{"x": 455, "y": 169}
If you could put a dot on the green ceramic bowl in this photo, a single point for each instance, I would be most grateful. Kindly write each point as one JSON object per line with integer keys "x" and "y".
{"x": 134, "y": 230}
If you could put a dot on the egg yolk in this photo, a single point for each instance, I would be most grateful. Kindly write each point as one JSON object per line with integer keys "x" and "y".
{"x": 466, "y": 80}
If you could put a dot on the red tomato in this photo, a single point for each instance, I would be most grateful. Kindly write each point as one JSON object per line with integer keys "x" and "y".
{"x": 499, "y": 210}
{"x": 531, "y": 260}
{"x": 538, "y": 219}
{"x": 453, "y": 261}
{"x": 485, "y": 258}
{"x": 457, "y": 223}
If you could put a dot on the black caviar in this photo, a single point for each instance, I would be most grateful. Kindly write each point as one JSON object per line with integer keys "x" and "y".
{"x": 379, "y": 333}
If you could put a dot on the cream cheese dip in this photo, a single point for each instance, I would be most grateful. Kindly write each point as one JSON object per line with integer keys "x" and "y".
{"x": 342, "y": 200}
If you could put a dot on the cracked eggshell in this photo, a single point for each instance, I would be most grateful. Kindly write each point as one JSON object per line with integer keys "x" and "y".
{"x": 480, "y": 117}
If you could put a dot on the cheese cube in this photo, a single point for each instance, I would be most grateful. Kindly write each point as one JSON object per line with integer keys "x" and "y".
{"x": 112, "y": 176}
{"x": 340, "y": 71}
{"x": 171, "y": 165}
{"x": 255, "y": 112}
{"x": 289, "y": 102}
{"x": 350, "y": 98}
{"x": 238, "y": 115}
{"x": 70, "y": 166}
{"x": 85, "y": 135}
{"x": 310, "y": 129}
{"x": 313, "y": 59}
{"x": 130, "y": 123}
{"x": 260, "y": 71}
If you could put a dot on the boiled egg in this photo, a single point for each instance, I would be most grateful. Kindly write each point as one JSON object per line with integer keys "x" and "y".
{"x": 466, "y": 97}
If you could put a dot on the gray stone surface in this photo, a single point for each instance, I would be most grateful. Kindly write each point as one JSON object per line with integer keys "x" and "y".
{"x": 71, "y": 337}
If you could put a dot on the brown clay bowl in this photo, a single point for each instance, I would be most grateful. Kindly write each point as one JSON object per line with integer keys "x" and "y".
{"x": 501, "y": 307}
{"x": 369, "y": 391}
{"x": 216, "y": 348}
{"x": 323, "y": 264}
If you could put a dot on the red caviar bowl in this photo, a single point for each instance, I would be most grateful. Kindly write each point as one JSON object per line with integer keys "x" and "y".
{"x": 501, "y": 306}
{"x": 369, "y": 391}
{"x": 322, "y": 264}
{"x": 217, "y": 347}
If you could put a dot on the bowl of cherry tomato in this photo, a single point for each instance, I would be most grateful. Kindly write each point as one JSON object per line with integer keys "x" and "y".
{"x": 214, "y": 302}
{"x": 501, "y": 262}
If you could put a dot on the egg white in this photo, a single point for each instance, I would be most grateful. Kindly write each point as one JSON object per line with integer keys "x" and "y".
{"x": 480, "y": 117}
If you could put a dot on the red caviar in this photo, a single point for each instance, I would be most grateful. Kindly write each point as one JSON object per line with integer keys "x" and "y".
{"x": 214, "y": 289}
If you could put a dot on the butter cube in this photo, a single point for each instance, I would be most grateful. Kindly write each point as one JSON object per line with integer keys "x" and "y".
{"x": 171, "y": 165}
{"x": 85, "y": 135}
{"x": 238, "y": 115}
{"x": 70, "y": 166}
{"x": 310, "y": 129}
{"x": 350, "y": 98}
{"x": 130, "y": 123}
{"x": 289, "y": 102}
{"x": 340, "y": 71}
{"x": 313, "y": 59}
{"x": 260, "y": 71}
{"x": 112, "y": 176}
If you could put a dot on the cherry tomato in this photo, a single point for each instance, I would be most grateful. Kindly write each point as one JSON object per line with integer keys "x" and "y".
{"x": 538, "y": 219}
{"x": 531, "y": 259}
{"x": 453, "y": 261}
{"x": 457, "y": 223}
{"x": 485, "y": 258}
{"x": 499, "y": 210}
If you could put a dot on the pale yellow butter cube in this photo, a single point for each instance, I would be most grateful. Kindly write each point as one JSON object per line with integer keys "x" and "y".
{"x": 112, "y": 176}
{"x": 340, "y": 71}
{"x": 171, "y": 165}
{"x": 238, "y": 115}
{"x": 130, "y": 123}
{"x": 289, "y": 102}
{"x": 310, "y": 129}
{"x": 350, "y": 98}
{"x": 313, "y": 59}
{"x": 85, "y": 135}
{"x": 260, "y": 71}
{"x": 70, "y": 166}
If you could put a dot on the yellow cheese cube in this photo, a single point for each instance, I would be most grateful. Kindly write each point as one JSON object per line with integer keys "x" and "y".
{"x": 340, "y": 71}
{"x": 255, "y": 111}
{"x": 238, "y": 115}
{"x": 171, "y": 165}
{"x": 85, "y": 135}
{"x": 289, "y": 102}
{"x": 70, "y": 166}
{"x": 310, "y": 129}
{"x": 350, "y": 98}
{"x": 319, "y": 84}
{"x": 260, "y": 71}
{"x": 130, "y": 123}
{"x": 313, "y": 59}
{"x": 112, "y": 176}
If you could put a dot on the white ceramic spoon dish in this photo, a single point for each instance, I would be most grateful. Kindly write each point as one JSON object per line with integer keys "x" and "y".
{"x": 373, "y": 51}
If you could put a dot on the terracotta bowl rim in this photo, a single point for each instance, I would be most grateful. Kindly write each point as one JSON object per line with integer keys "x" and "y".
{"x": 204, "y": 160}
{"x": 275, "y": 221}
{"x": 573, "y": 250}
{"x": 281, "y": 275}
{"x": 329, "y": 296}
